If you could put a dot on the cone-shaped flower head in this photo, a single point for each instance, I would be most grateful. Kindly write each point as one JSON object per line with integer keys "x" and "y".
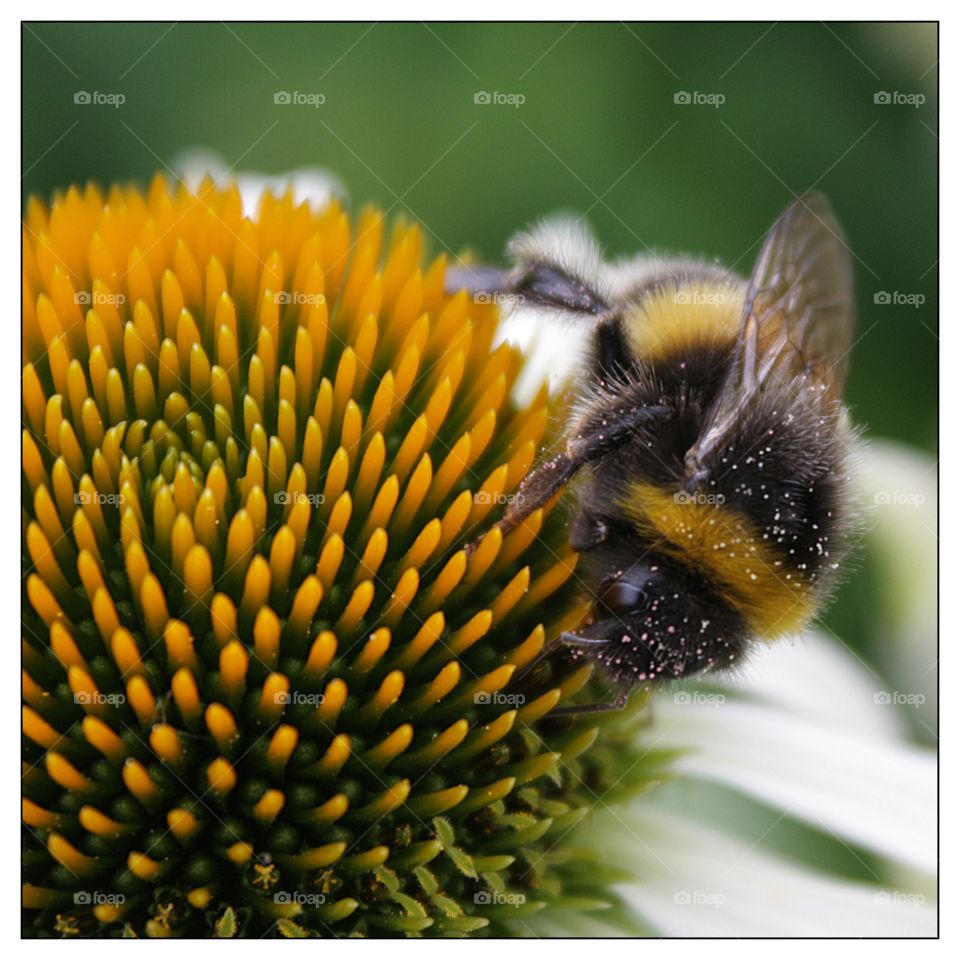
{"x": 266, "y": 690}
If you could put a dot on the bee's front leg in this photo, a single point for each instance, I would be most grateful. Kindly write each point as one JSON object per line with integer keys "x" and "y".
{"x": 542, "y": 483}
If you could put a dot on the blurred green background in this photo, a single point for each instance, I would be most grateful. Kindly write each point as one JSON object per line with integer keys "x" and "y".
{"x": 598, "y": 131}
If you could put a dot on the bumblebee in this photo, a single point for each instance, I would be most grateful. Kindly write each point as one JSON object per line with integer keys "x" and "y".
{"x": 709, "y": 442}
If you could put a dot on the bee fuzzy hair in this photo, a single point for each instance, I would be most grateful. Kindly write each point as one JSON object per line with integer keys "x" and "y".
{"x": 567, "y": 243}
{"x": 823, "y": 449}
{"x": 629, "y": 278}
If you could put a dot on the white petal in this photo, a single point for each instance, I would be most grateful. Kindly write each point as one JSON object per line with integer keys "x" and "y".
{"x": 901, "y": 485}
{"x": 817, "y": 676}
{"x": 698, "y": 882}
{"x": 553, "y": 350}
{"x": 310, "y": 184}
{"x": 880, "y": 794}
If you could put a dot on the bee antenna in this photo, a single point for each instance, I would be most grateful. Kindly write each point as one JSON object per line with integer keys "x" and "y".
{"x": 575, "y": 640}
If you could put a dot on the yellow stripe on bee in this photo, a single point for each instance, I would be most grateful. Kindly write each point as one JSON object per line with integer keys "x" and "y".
{"x": 727, "y": 549}
{"x": 699, "y": 312}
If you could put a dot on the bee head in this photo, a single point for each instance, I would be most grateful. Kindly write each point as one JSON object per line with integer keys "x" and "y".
{"x": 626, "y": 592}
{"x": 655, "y": 619}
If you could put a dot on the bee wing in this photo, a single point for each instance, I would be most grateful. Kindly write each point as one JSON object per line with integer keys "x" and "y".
{"x": 538, "y": 284}
{"x": 556, "y": 265}
{"x": 799, "y": 319}
{"x": 476, "y": 278}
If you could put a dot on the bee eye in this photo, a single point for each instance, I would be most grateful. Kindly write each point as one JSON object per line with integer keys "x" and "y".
{"x": 622, "y": 596}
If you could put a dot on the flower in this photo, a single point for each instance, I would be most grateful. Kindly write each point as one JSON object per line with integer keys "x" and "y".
{"x": 267, "y": 693}
{"x": 266, "y": 690}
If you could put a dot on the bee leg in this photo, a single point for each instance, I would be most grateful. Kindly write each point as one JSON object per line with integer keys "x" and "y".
{"x": 565, "y": 639}
{"x": 578, "y": 709}
{"x": 537, "y": 488}
{"x": 609, "y": 425}
{"x": 568, "y": 639}
{"x": 593, "y": 441}
{"x": 587, "y": 530}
